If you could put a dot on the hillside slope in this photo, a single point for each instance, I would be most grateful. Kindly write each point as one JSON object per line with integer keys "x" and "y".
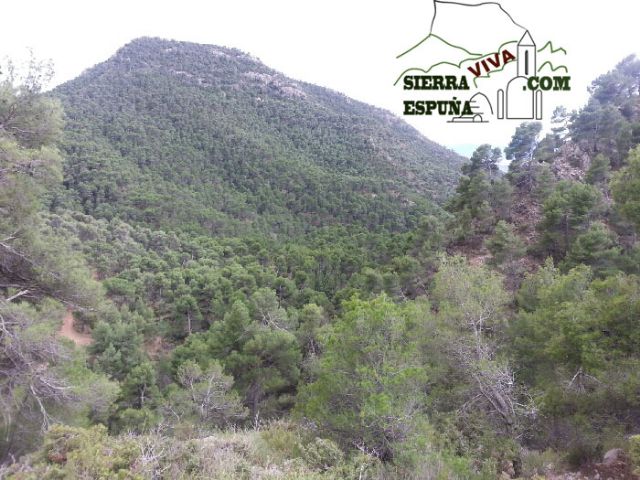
{"x": 185, "y": 136}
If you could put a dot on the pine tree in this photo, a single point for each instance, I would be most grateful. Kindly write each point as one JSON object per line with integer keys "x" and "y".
{"x": 599, "y": 170}
{"x": 504, "y": 244}
{"x": 625, "y": 187}
{"x": 566, "y": 213}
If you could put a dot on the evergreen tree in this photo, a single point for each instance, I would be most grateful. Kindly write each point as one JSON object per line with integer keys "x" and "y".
{"x": 520, "y": 151}
{"x": 625, "y": 187}
{"x": 596, "y": 247}
{"x": 505, "y": 245}
{"x": 205, "y": 399}
{"x": 567, "y": 212}
{"x": 599, "y": 170}
{"x": 264, "y": 359}
{"x": 370, "y": 386}
{"x": 484, "y": 158}
{"x": 41, "y": 377}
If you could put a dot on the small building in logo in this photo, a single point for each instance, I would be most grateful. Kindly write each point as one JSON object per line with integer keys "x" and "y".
{"x": 520, "y": 102}
{"x": 481, "y": 109}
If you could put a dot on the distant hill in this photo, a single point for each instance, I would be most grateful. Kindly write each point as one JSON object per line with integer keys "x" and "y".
{"x": 178, "y": 135}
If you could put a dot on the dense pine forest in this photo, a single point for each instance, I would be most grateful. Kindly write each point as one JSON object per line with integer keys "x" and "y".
{"x": 211, "y": 271}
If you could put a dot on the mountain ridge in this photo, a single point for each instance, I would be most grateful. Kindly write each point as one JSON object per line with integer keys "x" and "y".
{"x": 213, "y": 120}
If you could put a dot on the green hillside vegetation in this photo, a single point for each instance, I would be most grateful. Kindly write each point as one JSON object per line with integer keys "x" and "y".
{"x": 176, "y": 135}
{"x": 289, "y": 288}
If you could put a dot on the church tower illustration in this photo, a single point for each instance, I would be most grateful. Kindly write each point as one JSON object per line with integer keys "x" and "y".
{"x": 520, "y": 102}
{"x": 526, "y": 56}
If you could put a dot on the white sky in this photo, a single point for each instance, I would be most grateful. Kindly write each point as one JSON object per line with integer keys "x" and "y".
{"x": 346, "y": 45}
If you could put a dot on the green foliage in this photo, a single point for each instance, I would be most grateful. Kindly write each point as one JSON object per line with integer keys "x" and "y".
{"x": 239, "y": 146}
{"x": 263, "y": 359}
{"x": 545, "y": 183}
{"x": 505, "y": 245}
{"x": 117, "y": 348}
{"x": 370, "y": 385}
{"x": 266, "y": 246}
{"x": 30, "y": 255}
{"x": 566, "y": 213}
{"x": 205, "y": 400}
{"x": 608, "y": 124}
{"x": 471, "y": 314}
{"x": 625, "y": 187}
{"x": 33, "y": 120}
{"x": 482, "y": 197}
{"x": 521, "y": 151}
{"x": 501, "y": 198}
{"x": 484, "y": 158}
{"x": 523, "y": 142}
{"x": 473, "y": 297}
{"x": 267, "y": 310}
{"x": 471, "y": 205}
{"x": 287, "y": 452}
{"x": 41, "y": 377}
{"x": 84, "y": 453}
{"x": 139, "y": 387}
{"x": 634, "y": 450}
{"x": 322, "y": 454}
{"x": 555, "y": 333}
{"x": 472, "y": 193}
{"x": 599, "y": 170}
{"x": 312, "y": 319}
{"x": 572, "y": 340}
{"x": 596, "y": 247}
{"x": 546, "y": 149}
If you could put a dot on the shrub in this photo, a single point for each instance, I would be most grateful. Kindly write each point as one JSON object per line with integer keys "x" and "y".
{"x": 322, "y": 454}
{"x": 634, "y": 452}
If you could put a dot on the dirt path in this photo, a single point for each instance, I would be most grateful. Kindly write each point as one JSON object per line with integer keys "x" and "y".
{"x": 67, "y": 331}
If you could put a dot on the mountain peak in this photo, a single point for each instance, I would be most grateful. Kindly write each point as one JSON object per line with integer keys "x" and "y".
{"x": 211, "y": 129}
{"x": 169, "y": 46}
{"x": 154, "y": 51}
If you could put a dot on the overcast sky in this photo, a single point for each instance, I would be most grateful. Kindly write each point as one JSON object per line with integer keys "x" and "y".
{"x": 346, "y": 45}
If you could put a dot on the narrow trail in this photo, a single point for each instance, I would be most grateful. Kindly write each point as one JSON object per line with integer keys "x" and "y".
{"x": 67, "y": 331}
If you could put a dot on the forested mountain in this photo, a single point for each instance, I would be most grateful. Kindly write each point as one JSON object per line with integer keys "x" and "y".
{"x": 164, "y": 128}
{"x": 216, "y": 272}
